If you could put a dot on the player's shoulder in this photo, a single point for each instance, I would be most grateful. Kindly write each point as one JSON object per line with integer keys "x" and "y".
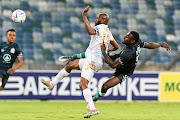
{"x": 16, "y": 45}
{"x": 100, "y": 26}
{"x": 140, "y": 41}
{"x": 2, "y": 43}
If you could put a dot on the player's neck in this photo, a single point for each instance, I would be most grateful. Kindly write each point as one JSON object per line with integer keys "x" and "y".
{"x": 131, "y": 45}
{"x": 10, "y": 43}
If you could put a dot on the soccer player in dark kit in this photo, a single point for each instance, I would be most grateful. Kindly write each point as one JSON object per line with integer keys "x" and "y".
{"x": 125, "y": 61}
{"x": 9, "y": 51}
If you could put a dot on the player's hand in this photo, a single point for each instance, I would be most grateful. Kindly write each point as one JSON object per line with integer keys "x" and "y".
{"x": 103, "y": 47}
{"x": 165, "y": 45}
{"x": 84, "y": 13}
{"x": 10, "y": 71}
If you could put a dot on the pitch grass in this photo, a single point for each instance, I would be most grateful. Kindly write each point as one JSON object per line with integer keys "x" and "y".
{"x": 76, "y": 111}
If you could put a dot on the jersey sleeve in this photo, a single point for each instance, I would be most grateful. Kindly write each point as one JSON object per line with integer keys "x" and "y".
{"x": 111, "y": 36}
{"x": 141, "y": 43}
{"x": 97, "y": 29}
{"x": 120, "y": 61}
{"x": 19, "y": 51}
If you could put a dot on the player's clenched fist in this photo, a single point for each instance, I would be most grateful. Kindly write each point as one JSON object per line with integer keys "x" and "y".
{"x": 103, "y": 47}
{"x": 84, "y": 13}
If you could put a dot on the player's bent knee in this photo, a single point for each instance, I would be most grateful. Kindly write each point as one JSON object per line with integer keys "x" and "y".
{"x": 80, "y": 86}
{"x": 83, "y": 86}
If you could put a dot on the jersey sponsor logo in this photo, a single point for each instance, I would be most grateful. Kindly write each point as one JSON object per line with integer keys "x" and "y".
{"x": 2, "y": 50}
{"x": 20, "y": 54}
{"x": 7, "y": 57}
{"x": 138, "y": 53}
{"x": 12, "y": 50}
{"x": 170, "y": 87}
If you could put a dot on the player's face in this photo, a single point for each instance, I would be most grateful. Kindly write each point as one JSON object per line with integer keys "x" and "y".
{"x": 11, "y": 37}
{"x": 98, "y": 20}
{"x": 128, "y": 39}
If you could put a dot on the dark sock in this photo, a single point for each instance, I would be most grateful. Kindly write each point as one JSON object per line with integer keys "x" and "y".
{"x": 78, "y": 56}
{"x": 97, "y": 97}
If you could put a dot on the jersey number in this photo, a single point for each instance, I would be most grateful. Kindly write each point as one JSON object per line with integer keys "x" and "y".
{"x": 138, "y": 53}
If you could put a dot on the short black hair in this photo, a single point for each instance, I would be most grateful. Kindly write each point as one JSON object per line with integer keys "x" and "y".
{"x": 135, "y": 35}
{"x": 10, "y": 30}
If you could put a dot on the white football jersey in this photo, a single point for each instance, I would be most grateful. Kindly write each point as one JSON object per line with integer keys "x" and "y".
{"x": 93, "y": 52}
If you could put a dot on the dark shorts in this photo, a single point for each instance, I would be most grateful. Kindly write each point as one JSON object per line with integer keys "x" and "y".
{"x": 4, "y": 75}
{"x": 122, "y": 77}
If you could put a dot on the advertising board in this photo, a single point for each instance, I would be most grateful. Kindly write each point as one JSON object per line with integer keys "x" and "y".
{"x": 27, "y": 86}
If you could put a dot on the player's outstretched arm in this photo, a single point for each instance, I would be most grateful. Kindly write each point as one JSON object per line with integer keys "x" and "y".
{"x": 88, "y": 27}
{"x": 20, "y": 62}
{"x": 112, "y": 64}
{"x": 157, "y": 45}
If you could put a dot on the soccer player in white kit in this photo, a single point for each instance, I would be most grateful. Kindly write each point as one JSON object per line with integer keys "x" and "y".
{"x": 93, "y": 60}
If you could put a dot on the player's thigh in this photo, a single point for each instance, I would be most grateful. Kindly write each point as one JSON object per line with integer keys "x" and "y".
{"x": 87, "y": 69}
{"x": 81, "y": 63}
{"x": 120, "y": 76}
{"x": 87, "y": 72}
{"x": 93, "y": 65}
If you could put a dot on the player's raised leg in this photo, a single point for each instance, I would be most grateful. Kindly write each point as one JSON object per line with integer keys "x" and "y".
{"x": 63, "y": 73}
{"x": 71, "y": 58}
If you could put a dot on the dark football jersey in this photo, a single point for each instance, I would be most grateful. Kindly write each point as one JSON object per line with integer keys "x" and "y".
{"x": 8, "y": 54}
{"x": 128, "y": 58}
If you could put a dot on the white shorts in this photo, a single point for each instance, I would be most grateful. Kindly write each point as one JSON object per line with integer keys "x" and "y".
{"x": 88, "y": 68}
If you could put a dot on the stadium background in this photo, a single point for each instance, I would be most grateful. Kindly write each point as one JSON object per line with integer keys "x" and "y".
{"x": 55, "y": 27}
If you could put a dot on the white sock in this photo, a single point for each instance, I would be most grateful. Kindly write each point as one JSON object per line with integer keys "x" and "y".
{"x": 63, "y": 73}
{"x": 88, "y": 97}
